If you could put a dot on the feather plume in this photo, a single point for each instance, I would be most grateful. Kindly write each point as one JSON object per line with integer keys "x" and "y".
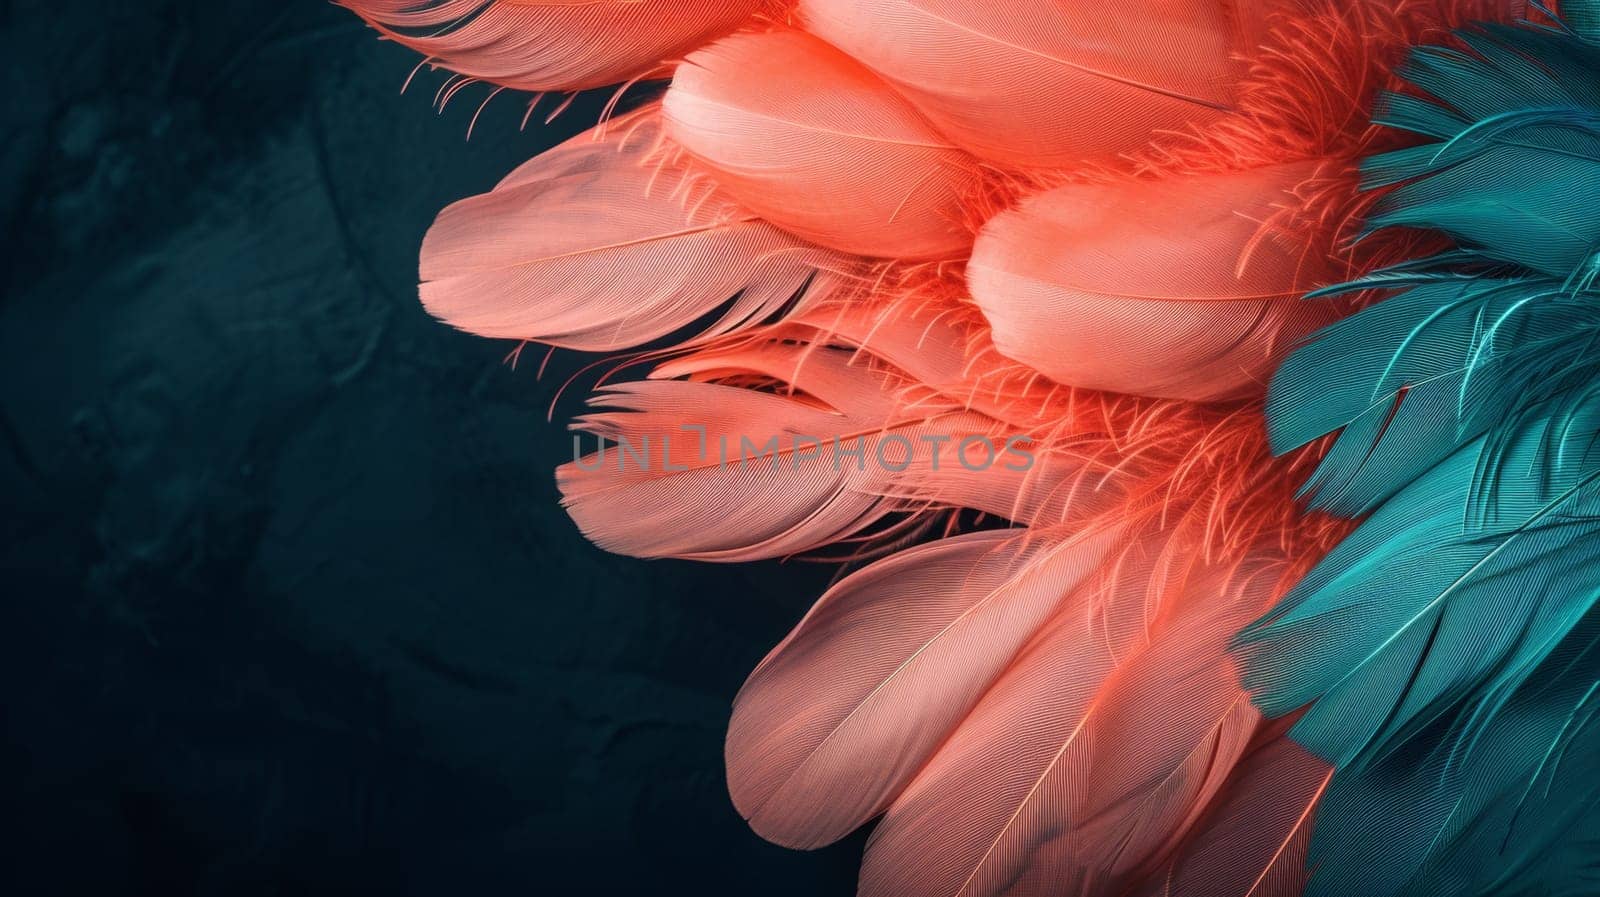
{"x": 1062, "y": 780}
{"x": 1448, "y": 647}
{"x": 1483, "y": 335}
{"x": 1448, "y": 591}
{"x": 1512, "y": 811}
{"x": 1253, "y": 841}
{"x": 600, "y": 245}
{"x": 711, "y": 469}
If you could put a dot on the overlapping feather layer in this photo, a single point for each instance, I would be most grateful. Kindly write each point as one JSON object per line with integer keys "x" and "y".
{"x": 1448, "y": 648}
{"x": 1082, "y": 234}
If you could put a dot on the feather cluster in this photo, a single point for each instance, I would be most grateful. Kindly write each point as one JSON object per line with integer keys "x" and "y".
{"x": 1171, "y": 633}
{"x": 1450, "y": 647}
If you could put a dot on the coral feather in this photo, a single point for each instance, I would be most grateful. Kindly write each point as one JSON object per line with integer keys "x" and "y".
{"x": 1164, "y": 287}
{"x": 1031, "y": 84}
{"x": 846, "y": 710}
{"x": 601, "y": 244}
{"x": 815, "y": 143}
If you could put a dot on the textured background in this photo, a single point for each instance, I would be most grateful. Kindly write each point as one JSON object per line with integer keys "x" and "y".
{"x": 289, "y": 605}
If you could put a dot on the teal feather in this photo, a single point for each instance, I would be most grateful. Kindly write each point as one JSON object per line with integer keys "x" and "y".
{"x": 1447, "y": 595}
{"x": 1416, "y": 377}
{"x": 1514, "y": 815}
{"x": 1428, "y": 645}
{"x": 1517, "y": 175}
{"x": 1447, "y": 653}
{"x": 1583, "y": 17}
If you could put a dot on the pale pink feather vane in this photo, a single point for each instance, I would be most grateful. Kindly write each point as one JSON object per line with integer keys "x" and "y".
{"x": 1049, "y": 223}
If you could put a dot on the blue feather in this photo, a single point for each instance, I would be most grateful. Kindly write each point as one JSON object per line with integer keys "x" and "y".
{"x": 1515, "y": 814}
{"x": 1447, "y": 653}
{"x": 1517, "y": 175}
{"x": 1425, "y": 645}
{"x": 1583, "y": 17}
{"x": 1415, "y": 377}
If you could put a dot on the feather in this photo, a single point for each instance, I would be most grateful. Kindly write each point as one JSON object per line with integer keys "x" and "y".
{"x": 594, "y": 246}
{"x": 717, "y": 471}
{"x": 818, "y": 145}
{"x": 1513, "y": 813}
{"x": 1417, "y": 376}
{"x": 840, "y": 716}
{"x": 1063, "y": 779}
{"x": 931, "y": 349}
{"x": 1151, "y": 287}
{"x": 1253, "y": 841}
{"x": 1464, "y": 348}
{"x": 1583, "y": 17}
{"x": 1448, "y": 647}
{"x": 1417, "y": 634}
{"x": 541, "y": 45}
{"x": 1518, "y": 171}
{"x": 1029, "y": 84}
{"x": 1447, "y": 591}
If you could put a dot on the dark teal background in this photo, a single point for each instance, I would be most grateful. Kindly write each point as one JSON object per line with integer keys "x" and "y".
{"x": 289, "y": 605}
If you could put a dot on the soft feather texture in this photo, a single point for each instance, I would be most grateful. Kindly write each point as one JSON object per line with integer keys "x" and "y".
{"x": 1253, "y": 842}
{"x": 815, "y": 143}
{"x": 1446, "y": 592}
{"x": 1512, "y": 811}
{"x": 599, "y": 245}
{"x": 933, "y": 349}
{"x": 1062, "y": 780}
{"x": 1519, "y": 169}
{"x": 544, "y": 45}
{"x": 712, "y": 470}
{"x": 1031, "y": 84}
{"x": 841, "y": 715}
{"x": 1514, "y": 177}
{"x": 1583, "y": 17}
{"x": 1166, "y": 287}
{"x": 1419, "y": 375}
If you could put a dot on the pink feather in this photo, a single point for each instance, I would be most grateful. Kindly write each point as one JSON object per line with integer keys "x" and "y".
{"x": 1253, "y": 842}
{"x": 1091, "y": 757}
{"x": 1171, "y": 288}
{"x": 723, "y": 500}
{"x": 599, "y": 245}
{"x": 815, "y": 143}
{"x": 1031, "y": 84}
{"x": 845, "y": 711}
